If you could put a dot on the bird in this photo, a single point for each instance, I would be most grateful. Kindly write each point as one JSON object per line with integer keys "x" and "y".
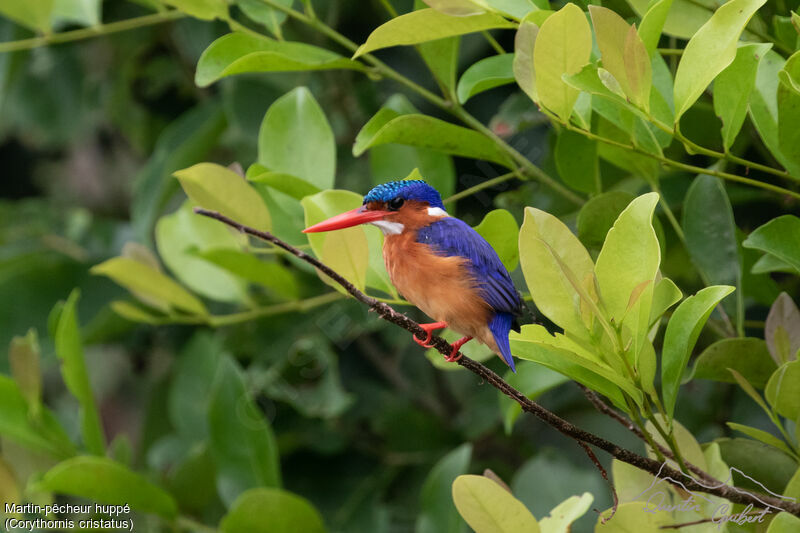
{"x": 440, "y": 264}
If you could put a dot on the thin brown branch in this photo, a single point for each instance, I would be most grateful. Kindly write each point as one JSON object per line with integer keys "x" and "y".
{"x": 647, "y": 464}
{"x": 603, "y": 473}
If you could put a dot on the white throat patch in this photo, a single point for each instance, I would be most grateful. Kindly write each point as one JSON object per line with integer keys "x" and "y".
{"x": 389, "y": 228}
{"x": 437, "y": 212}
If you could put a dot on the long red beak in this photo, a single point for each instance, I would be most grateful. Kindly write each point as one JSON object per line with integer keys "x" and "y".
{"x": 359, "y": 215}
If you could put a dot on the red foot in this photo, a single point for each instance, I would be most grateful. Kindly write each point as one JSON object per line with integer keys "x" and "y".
{"x": 429, "y": 328}
{"x": 455, "y": 355}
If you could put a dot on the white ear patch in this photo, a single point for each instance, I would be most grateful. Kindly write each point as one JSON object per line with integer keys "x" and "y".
{"x": 437, "y": 212}
{"x": 389, "y": 228}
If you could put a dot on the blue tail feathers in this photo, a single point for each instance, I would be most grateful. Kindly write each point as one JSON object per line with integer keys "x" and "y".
{"x": 500, "y": 326}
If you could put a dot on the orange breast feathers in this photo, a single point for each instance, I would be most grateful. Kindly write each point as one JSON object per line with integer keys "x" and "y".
{"x": 442, "y": 287}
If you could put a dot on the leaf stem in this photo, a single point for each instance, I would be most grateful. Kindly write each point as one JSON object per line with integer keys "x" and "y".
{"x": 482, "y": 185}
{"x": 493, "y": 42}
{"x": 287, "y": 307}
{"x": 92, "y": 31}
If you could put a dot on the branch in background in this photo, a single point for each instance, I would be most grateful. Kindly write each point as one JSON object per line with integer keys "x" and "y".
{"x": 570, "y": 430}
{"x": 603, "y": 473}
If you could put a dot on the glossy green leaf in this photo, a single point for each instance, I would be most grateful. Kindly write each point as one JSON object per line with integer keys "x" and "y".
{"x": 346, "y": 250}
{"x": 201, "y": 9}
{"x": 241, "y": 440}
{"x": 260, "y": 12}
{"x": 280, "y": 181}
{"x": 576, "y": 161}
{"x": 499, "y": 228}
{"x": 488, "y": 73}
{"x": 761, "y": 435}
{"x": 782, "y": 329}
{"x": 23, "y": 358}
{"x": 532, "y": 380}
{"x": 422, "y": 131}
{"x": 489, "y": 508}
{"x": 69, "y": 350}
{"x": 287, "y": 513}
{"x": 138, "y": 277}
{"x": 624, "y": 55}
{"x": 220, "y": 189}
{"x": 552, "y": 292}
{"x": 681, "y": 335}
{"x": 748, "y": 356}
{"x": 779, "y": 237}
{"x": 769, "y": 263}
{"x": 683, "y": 17}
{"x": 42, "y": 434}
{"x": 782, "y": 390}
{"x": 784, "y": 523}
{"x": 179, "y": 238}
{"x": 563, "y": 46}
{"x": 438, "y": 514}
{"x": 711, "y": 238}
{"x": 239, "y": 53}
{"x": 516, "y": 9}
{"x": 732, "y": 89}
{"x": 710, "y": 51}
{"x": 665, "y": 295}
{"x": 33, "y": 14}
{"x": 598, "y": 215}
{"x": 105, "y": 481}
{"x": 564, "y": 514}
{"x": 427, "y": 25}
{"x": 271, "y": 275}
{"x": 193, "y": 378}
{"x": 789, "y": 110}
{"x": 653, "y": 23}
{"x": 522, "y": 65}
{"x": 295, "y": 138}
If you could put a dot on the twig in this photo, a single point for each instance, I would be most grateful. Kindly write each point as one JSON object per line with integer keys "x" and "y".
{"x": 603, "y": 473}
{"x": 570, "y": 430}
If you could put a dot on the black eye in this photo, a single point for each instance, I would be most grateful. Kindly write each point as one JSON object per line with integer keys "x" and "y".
{"x": 395, "y": 203}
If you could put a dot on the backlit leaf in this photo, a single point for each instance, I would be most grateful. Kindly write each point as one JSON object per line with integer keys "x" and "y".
{"x": 201, "y": 9}
{"x": 653, "y": 23}
{"x": 782, "y": 329}
{"x": 23, "y": 358}
{"x": 781, "y": 391}
{"x": 489, "y": 508}
{"x": 287, "y": 513}
{"x": 34, "y": 14}
{"x": 564, "y": 514}
{"x": 524, "y": 44}
{"x": 499, "y": 228}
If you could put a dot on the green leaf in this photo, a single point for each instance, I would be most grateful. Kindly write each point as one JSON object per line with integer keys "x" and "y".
{"x": 23, "y": 358}
{"x": 563, "y": 46}
{"x": 287, "y": 513}
{"x": 141, "y": 278}
{"x": 779, "y": 237}
{"x": 748, "y": 356}
{"x": 683, "y": 17}
{"x": 201, "y": 9}
{"x": 516, "y": 9}
{"x": 689, "y": 447}
{"x": 711, "y": 238}
{"x": 280, "y": 181}
{"x": 524, "y": 45}
{"x": 576, "y": 161}
{"x": 628, "y": 261}
{"x": 532, "y": 380}
{"x": 260, "y": 12}
{"x": 665, "y": 295}
{"x": 789, "y": 110}
{"x": 782, "y": 329}
{"x": 438, "y": 514}
{"x": 564, "y": 514}
{"x": 220, "y": 189}
{"x": 241, "y": 440}
{"x": 457, "y": 8}
{"x": 653, "y": 23}
{"x": 295, "y": 138}
{"x": 179, "y": 237}
{"x": 550, "y": 288}
{"x": 499, "y": 228}
{"x": 193, "y": 377}
{"x": 782, "y": 390}
{"x": 732, "y": 89}
{"x": 631, "y": 518}
{"x": 769, "y": 467}
{"x": 624, "y": 55}
{"x": 105, "y": 481}
{"x": 346, "y": 250}
{"x": 239, "y": 53}
{"x": 9, "y": 488}
{"x": 34, "y": 14}
{"x": 710, "y": 51}
{"x": 768, "y": 263}
{"x": 82, "y": 12}
{"x": 784, "y": 523}
{"x": 422, "y": 131}
{"x": 489, "y": 508}
{"x": 271, "y": 275}
{"x": 598, "y": 215}
{"x": 73, "y": 369}
{"x": 761, "y": 435}
{"x": 680, "y": 337}
{"x": 427, "y": 25}
{"x": 486, "y": 74}
{"x": 42, "y": 433}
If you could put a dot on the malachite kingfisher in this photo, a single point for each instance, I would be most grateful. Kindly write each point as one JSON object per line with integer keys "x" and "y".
{"x": 440, "y": 264}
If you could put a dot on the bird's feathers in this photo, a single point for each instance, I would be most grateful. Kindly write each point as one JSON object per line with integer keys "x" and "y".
{"x": 500, "y": 326}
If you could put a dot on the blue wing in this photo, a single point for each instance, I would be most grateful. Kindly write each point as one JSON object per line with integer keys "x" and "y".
{"x": 451, "y": 236}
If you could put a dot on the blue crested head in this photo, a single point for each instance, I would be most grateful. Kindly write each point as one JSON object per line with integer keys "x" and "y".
{"x": 407, "y": 190}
